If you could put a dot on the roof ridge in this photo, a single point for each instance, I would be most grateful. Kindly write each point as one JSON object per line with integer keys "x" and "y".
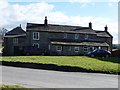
{"x": 55, "y": 25}
{"x": 98, "y": 31}
{"x": 15, "y": 31}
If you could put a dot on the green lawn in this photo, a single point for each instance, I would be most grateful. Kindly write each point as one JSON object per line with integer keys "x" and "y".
{"x": 95, "y": 64}
{"x": 12, "y": 87}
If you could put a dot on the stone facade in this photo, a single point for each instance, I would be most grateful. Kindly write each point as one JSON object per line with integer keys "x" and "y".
{"x": 61, "y": 39}
{"x": 14, "y": 41}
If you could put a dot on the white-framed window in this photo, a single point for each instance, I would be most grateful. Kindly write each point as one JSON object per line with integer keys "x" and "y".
{"x": 49, "y": 47}
{"x": 85, "y": 49}
{"x": 15, "y": 40}
{"x": 76, "y": 36}
{"x": 36, "y": 45}
{"x": 69, "y": 49}
{"x": 59, "y": 48}
{"x": 65, "y": 35}
{"x": 36, "y": 35}
{"x": 86, "y": 36}
{"x": 76, "y": 49}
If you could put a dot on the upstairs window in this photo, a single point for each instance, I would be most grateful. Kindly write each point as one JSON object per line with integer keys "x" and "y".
{"x": 76, "y": 36}
{"x": 15, "y": 40}
{"x": 76, "y": 49}
{"x": 59, "y": 48}
{"x": 36, "y": 45}
{"x": 86, "y": 36}
{"x": 65, "y": 35}
{"x": 35, "y": 35}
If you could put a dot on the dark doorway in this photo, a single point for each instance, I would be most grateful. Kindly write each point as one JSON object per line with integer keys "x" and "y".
{"x": 18, "y": 50}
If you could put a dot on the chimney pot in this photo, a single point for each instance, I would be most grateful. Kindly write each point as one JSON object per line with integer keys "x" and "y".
{"x": 90, "y": 25}
{"x": 20, "y": 25}
{"x": 45, "y": 21}
{"x": 106, "y": 28}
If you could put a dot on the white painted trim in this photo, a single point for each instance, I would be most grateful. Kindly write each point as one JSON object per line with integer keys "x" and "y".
{"x": 86, "y": 36}
{"x": 77, "y": 49}
{"x": 86, "y": 49}
{"x": 76, "y": 36}
{"x": 36, "y": 44}
{"x": 15, "y": 40}
{"x": 37, "y": 34}
{"x": 59, "y": 49}
{"x": 49, "y": 46}
{"x": 65, "y": 35}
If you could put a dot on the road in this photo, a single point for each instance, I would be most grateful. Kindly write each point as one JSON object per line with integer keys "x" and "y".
{"x": 35, "y": 78}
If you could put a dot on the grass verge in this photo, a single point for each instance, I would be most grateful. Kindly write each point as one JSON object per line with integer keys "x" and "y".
{"x": 109, "y": 65}
{"x": 12, "y": 87}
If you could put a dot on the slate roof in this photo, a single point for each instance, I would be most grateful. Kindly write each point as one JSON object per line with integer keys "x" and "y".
{"x": 66, "y": 29}
{"x": 16, "y": 31}
{"x": 103, "y": 34}
{"x": 59, "y": 28}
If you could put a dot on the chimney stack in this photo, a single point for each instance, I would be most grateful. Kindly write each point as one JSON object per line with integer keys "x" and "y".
{"x": 106, "y": 28}
{"x": 45, "y": 21}
{"x": 20, "y": 25}
{"x": 90, "y": 25}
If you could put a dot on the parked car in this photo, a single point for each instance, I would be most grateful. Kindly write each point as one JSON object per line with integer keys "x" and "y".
{"x": 99, "y": 53}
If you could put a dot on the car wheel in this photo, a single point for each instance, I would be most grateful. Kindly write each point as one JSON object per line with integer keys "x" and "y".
{"x": 107, "y": 55}
{"x": 92, "y": 55}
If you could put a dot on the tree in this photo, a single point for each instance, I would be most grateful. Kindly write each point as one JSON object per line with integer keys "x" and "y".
{"x": 2, "y": 32}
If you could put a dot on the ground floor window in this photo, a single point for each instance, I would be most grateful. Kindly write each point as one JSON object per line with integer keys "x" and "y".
{"x": 85, "y": 49}
{"x": 59, "y": 48}
{"x": 69, "y": 49}
{"x": 49, "y": 46}
{"x": 36, "y": 45}
{"x": 76, "y": 49}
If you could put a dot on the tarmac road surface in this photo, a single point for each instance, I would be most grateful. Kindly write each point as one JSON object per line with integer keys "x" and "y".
{"x": 37, "y": 78}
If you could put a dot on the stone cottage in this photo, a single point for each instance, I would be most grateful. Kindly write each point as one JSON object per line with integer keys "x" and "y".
{"x": 51, "y": 39}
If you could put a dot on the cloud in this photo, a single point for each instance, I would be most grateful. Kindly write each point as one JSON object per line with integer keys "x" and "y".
{"x": 114, "y": 0}
{"x": 81, "y": 1}
{"x": 110, "y": 4}
{"x": 14, "y": 14}
{"x": 85, "y": 3}
{"x": 3, "y": 4}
